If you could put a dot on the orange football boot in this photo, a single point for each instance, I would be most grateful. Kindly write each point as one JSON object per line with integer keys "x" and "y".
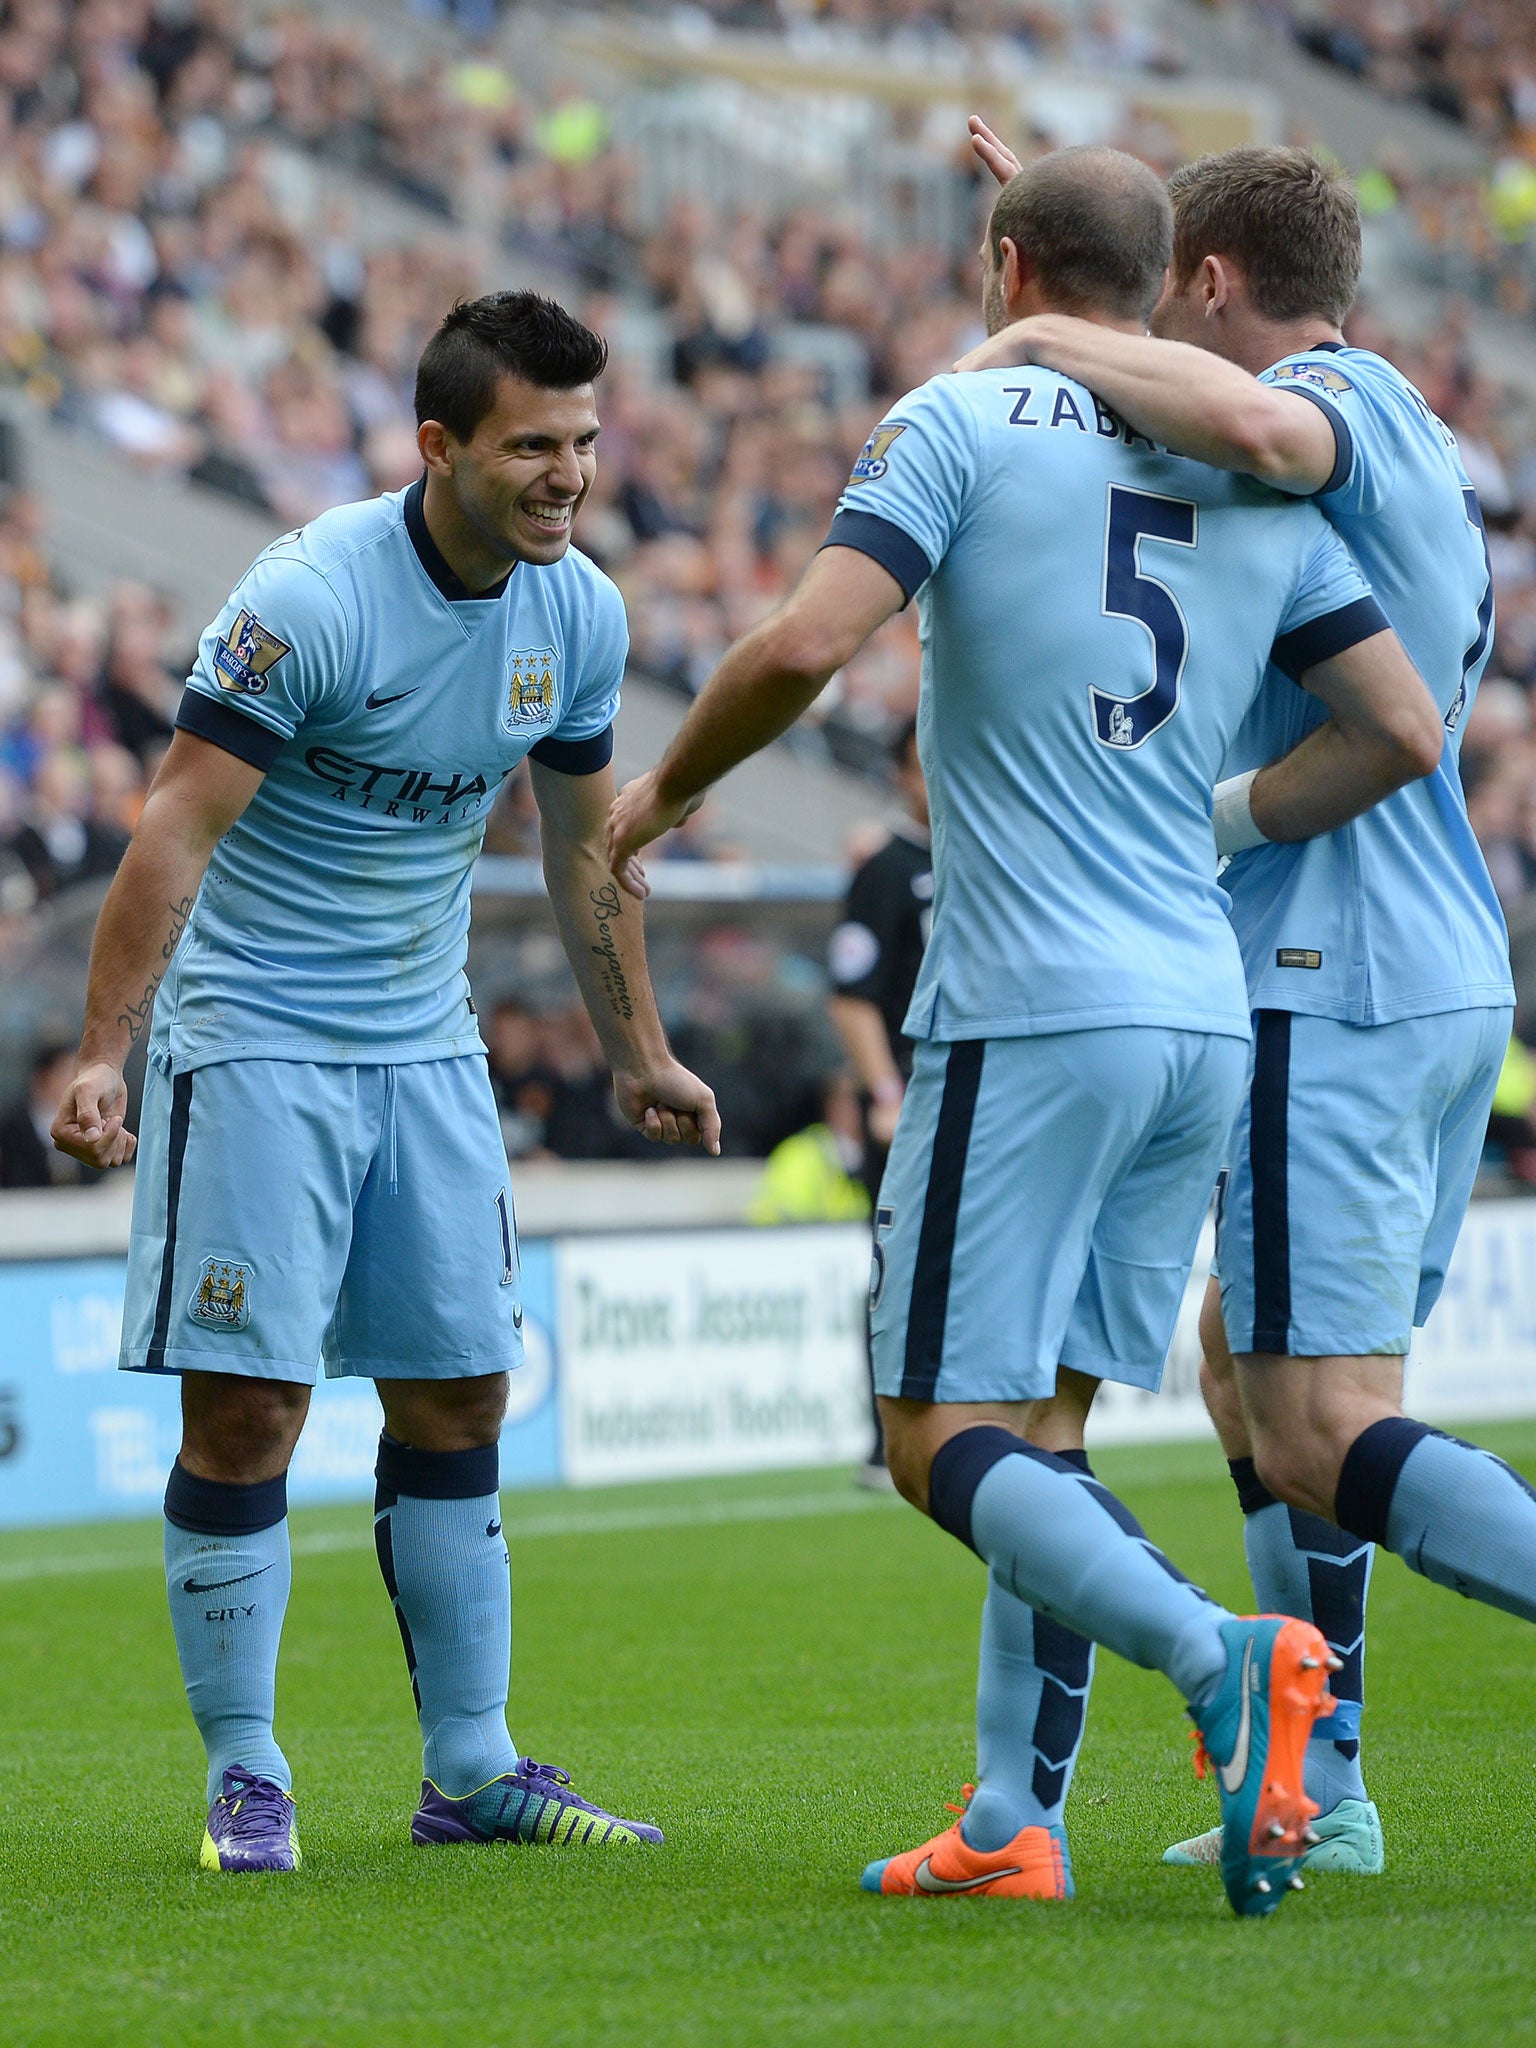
{"x": 1034, "y": 1865}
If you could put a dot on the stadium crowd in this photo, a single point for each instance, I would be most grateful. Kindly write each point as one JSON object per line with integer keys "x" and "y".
{"x": 174, "y": 280}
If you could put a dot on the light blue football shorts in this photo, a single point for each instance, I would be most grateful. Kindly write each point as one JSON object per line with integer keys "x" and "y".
{"x": 288, "y": 1215}
{"x": 1041, "y": 1207}
{"x": 1349, "y": 1172}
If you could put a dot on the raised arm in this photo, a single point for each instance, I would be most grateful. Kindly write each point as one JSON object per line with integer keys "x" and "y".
{"x": 601, "y": 927}
{"x": 765, "y": 682}
{"x": 198, "y": 794}
{"x": 1191, "y": 401}
{"x": 1384, "y": 731}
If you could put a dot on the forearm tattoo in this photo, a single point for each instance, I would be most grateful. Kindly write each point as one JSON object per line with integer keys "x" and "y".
{"x": 607, "y": 907}
{"x": 136, "y": 1016}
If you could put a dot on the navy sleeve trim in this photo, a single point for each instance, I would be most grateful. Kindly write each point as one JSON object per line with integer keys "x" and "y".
{"x": 575, "y": 757}
{"x": 1321, "y": 639}
{"x": 895, "y": 551}
{"x": 1343, "y": 439}
{"x": 223, "y": 726}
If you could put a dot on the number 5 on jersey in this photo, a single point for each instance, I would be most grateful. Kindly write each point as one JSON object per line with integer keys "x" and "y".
{"x": 1130, "y": 593}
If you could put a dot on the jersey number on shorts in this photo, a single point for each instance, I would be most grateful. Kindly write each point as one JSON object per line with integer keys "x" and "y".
{"x": 1129, "y": 593}
{"x": 884, "y": 1218}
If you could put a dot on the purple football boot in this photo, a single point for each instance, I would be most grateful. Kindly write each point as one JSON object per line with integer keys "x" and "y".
{"x": 534, "y": 1803}
{"x": 250, "y": 1826}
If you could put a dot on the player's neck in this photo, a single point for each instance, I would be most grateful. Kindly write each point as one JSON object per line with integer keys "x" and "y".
{"x": 476, "y": 566}
{"x": 1268, "y": 342}
{"x": 1031, "y": 300}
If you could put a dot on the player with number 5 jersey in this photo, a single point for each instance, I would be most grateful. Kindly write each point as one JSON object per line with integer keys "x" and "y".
{"x": 1376, "y": 955}
{"x": 1097, "y": 616}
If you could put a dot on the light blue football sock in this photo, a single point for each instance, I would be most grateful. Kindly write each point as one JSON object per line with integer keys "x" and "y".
{"x": 437, "y": 1529}
{"x": 1031, "y": 1707}
{"x": 1454, "y": 1513}
{"x": 226, "y": 1576}
{"x": 1302, "y": 1565}
{"x": 1063, "y": 1544}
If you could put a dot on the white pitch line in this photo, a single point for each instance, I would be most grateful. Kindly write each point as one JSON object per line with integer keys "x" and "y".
{"x": 787, "y": 1507}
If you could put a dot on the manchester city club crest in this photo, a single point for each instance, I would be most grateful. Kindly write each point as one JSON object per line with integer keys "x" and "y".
{"x": 247, "y": 654}
{"x": 222, "y": 1297}
{"x": 530, "y": 688}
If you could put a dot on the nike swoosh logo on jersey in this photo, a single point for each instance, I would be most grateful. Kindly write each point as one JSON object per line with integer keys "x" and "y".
{"x": 1234, "y": 1772}
{"x": 374, "y": 702}
{"x": 925, "y": 1880}
{"x": 217, "y": 1585}
{"x": 493, "y": 1528}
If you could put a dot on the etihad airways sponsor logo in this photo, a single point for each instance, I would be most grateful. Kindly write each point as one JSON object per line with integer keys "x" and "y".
{"x": 418, "y": 796}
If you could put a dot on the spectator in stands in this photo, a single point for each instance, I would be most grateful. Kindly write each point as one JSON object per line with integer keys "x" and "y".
{"x": 1512, "y": 1126}
{"x": 61, "y": 841}
{"x": 583, "y": 1121}
{"x": 524, "y": 1085}
{"x": 179, "y": 273}
{"x": 816, "y": 1174}
{"x": 27, "y": 1155}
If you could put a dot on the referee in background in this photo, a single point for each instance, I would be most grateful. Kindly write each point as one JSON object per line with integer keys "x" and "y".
{"x": 873, "y": 961}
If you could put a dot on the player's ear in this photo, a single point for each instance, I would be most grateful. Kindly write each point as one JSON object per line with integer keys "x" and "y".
{"x": 432, "y": 440}
{"x": 1016, "y": 270}
{"x": 1215, "y": 285}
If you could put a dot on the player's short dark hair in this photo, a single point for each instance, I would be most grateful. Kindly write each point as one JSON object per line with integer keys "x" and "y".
{"x": 504, "y": 334}
{"x": 1096, "y": 225}
{"x": 1288, "y": 220}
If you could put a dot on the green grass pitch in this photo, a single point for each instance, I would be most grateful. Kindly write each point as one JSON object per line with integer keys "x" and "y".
{"x": 779, "y": 1670}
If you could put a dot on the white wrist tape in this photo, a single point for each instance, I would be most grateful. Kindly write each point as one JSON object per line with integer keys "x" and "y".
{"x": 1231, "y": 816}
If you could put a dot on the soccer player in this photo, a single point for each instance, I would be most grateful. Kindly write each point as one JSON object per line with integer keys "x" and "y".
{"x": 322, "y": 1173}
{"x": 873, "y": 961}
{"x": 1096, "y": 619}
{"x": 1377, "y": 959}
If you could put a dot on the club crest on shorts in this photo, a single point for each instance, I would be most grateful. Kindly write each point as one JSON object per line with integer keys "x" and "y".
{"x": 530, "y": 688}
{"x": 872, "y": 463}
{"x": 222, "y": 1297}
{"x": 246, "y": 656}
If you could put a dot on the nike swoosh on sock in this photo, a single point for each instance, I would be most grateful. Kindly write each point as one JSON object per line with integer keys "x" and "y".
{"x": 217, "y": 1585}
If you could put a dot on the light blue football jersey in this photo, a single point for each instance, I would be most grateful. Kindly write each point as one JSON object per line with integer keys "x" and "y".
{"x": 1096, "y": 616}
{"x": 1393, "y": 916}
{"x": 387, "y": 706}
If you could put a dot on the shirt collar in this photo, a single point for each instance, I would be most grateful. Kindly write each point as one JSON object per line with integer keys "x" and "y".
{"x": 430, "y": 555}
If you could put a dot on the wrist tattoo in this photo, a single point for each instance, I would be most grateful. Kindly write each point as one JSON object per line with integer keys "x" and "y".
{"x": 136, "y": 1016}
{"x": 607, "y": 905}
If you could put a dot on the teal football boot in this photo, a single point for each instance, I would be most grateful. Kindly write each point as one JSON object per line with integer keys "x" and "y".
{"x": 1348, "y": 1839}
{"x": 1253, "y": 1733}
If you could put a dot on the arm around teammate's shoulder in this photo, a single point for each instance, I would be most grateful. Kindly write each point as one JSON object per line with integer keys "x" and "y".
{"x": 200, "y": 791}
{"x": 1188, "y": 399}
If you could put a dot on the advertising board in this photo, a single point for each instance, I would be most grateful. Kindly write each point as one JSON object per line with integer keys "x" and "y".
{"x": 80, "y": 1440}
{"x": 712, "y": 1351}
{"x": 655, "y": 1355}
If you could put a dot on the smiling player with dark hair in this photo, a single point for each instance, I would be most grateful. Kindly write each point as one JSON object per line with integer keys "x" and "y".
{"x": 322, "y": 1176}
